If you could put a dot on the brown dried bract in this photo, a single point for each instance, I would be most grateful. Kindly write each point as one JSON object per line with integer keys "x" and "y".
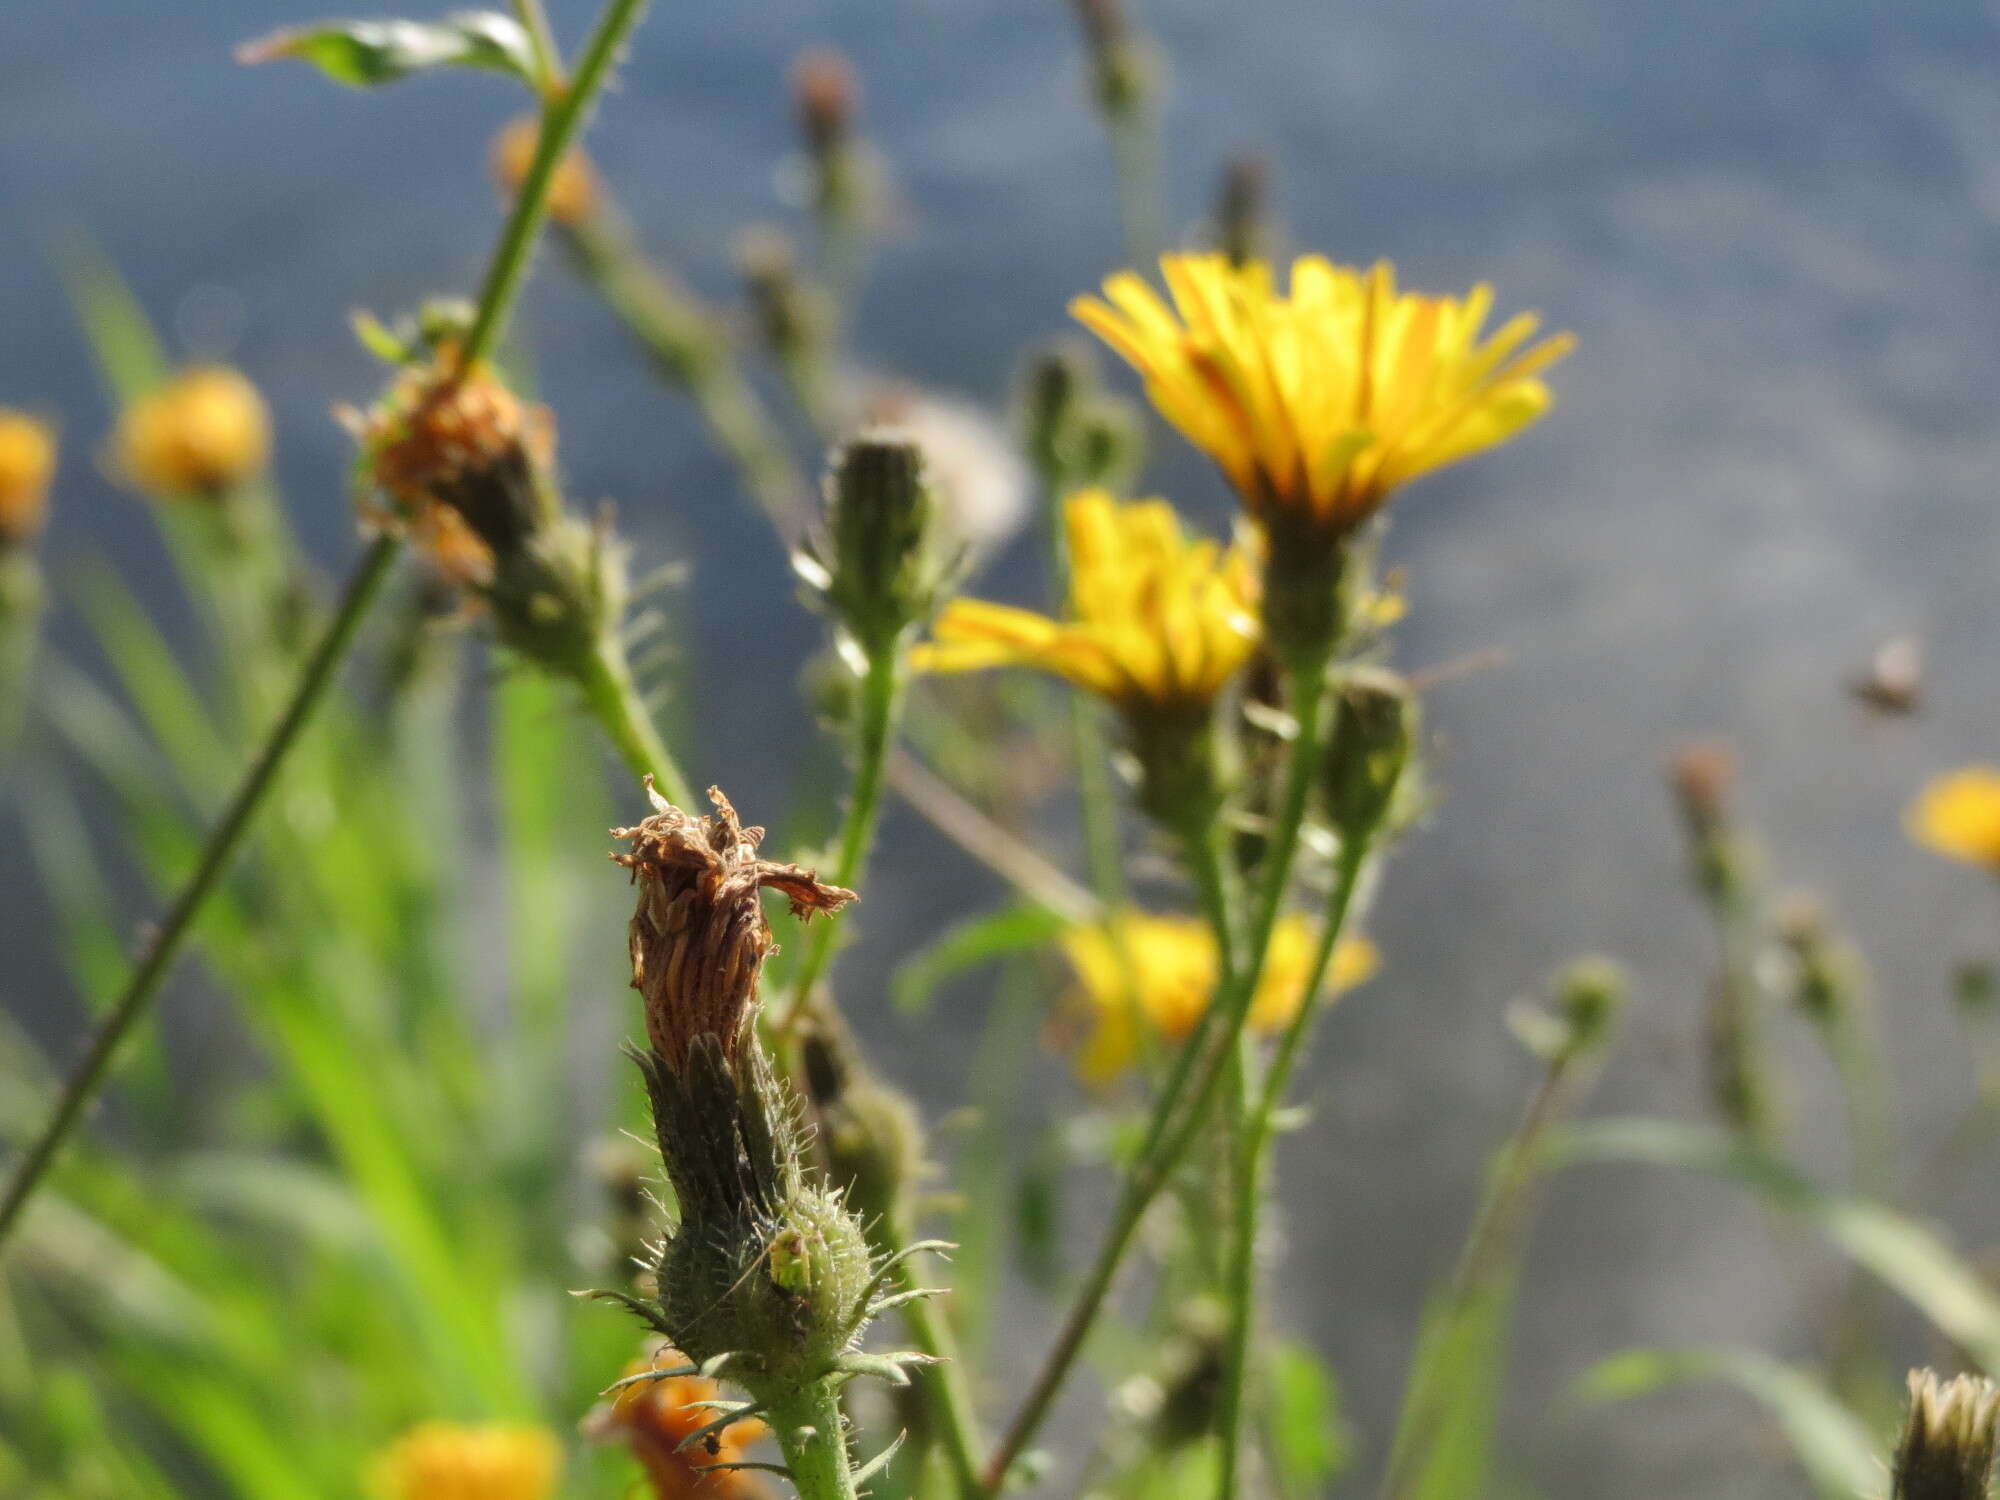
{"x": 699, "y": 937}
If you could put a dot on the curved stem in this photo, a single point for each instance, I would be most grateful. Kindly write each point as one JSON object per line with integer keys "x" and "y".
{"x": 808, "y": 1426}
{"x": 222, "y": 843}
{"x": 1241, "y": 1289}
{"x": 562, "y": 118}
{"x": 614, "y": 701}
{"x": 1183, "y": 1106}
{"x": 881, "y": 701}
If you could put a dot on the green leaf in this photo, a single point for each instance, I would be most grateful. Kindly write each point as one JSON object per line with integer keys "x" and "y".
{"x": 1444, "y": 1437}
{"x": 1834, "y": 1446}
{"x": 367, "y": 54}
{"x": 1908, "y": 1255}
{"x": 1012, "y": 929}
{"x": 1310, "y": 1442}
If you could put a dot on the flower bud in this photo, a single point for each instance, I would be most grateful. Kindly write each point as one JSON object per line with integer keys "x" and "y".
{"x": 1949, "y": 1439}
{"x": 763, "y": 1265}
{"x": 870, "y": 1133}
{"x": 825, "y": 94}
{"x": 27, "y": 464}
{"x": 1374, "y": 738}
{"x": 1242, "y": 215}
{"x": 201, "y": 434}
{"x": 1122, "y": 66}
{"x": 1077, "y": 435}
{"x": 484, "y": 1462}
{"x": 1826, "y": 978}
{"x": 573, "y": 195}
{"x": 876, "y": 568}
{"x": 1702, "y": 777}
{"x": 1589, "y": 995}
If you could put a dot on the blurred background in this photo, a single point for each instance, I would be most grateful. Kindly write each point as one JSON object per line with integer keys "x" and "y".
{"x": 1772, "y": 227}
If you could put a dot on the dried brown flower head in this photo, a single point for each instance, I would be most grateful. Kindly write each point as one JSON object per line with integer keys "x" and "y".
{"x": 699, "y": 936}
{"x": 826, "y": 95}
{"x": 1702, "y": 774}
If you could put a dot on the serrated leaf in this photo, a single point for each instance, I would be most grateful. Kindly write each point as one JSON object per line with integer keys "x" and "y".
{"x": 1833, "y": 1445}
{"x": 368, "y": 54}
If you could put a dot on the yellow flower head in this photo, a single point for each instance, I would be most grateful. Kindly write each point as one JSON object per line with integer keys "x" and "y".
{"x": 1319, "y": 402}
{"x": 1159, "y": 621}
{"x": 1958, "y": 815}
{"x": 654, "y": 1417}
{"x": 573, "y": 194}
{"x": 447, "y": 1461}
{"x": 202, "y": 432}
{"x": 1173, "y": 972}
{"x": 27, "y": 463}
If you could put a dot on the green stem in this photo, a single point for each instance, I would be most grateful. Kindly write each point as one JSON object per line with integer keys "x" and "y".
{"x": 943, "y": 1384}
{"x": 808, "y": 1426}
{"x": 1176, "y": 1123}
{"x": 881, "y": 702}
{"x": 1241, "y": 1289}
{"x": 562, "y": 118}
{"x": 614, "y": 701}
{"x": 691, "y": 352}
{"x": 88, "y": 1076}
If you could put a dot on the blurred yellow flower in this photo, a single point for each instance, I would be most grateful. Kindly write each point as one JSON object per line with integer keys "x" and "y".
{"x": 1160, "y": 621}
{"x": 1173, "y": 973}
{"x": 27, "y": 464}
{"x": 572, "y": 196}
{"x": 654, "y": 1417}
{"x": 448, "y": 1461}
{"x": 1318, "y": 403}
{"x": 1958, "y": 815}
{"x": 204, "y": 431}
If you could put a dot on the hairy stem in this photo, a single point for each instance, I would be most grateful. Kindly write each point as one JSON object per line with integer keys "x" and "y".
{"x": 562, "y": 118}
{"x": 1184, "y": 1105}
{"x": 1241, "y": 1289}
{"x": 875, "y": 733}
{"x": 808, "y": 1426}
{"x": 223, "y": 841}
{"x": 613, "y": 699}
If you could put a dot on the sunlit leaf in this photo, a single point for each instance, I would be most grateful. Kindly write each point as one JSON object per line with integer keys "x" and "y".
{"x": 367, "y": 54}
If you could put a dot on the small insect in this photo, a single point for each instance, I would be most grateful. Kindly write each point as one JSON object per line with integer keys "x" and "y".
{"x": 1893, "y": 681}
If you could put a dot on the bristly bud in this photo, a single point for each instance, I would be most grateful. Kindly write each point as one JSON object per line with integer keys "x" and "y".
{"x": 1949, "y": 1439}
{"x": 794, "y": 317}
{"x": 1702, "y": 777}
{"x": 826, "y": 95}
{"x": 876, "y": 568}
{"x": 1826, "y": 981}
{"x": 869, "y": 1133}
{"x": 1589, "y": 996}
{"x": 27, "y": 464}
{"x": 1374, "y": 740}
{"x": 1077, "y": 435}
{"x": 202, "y": 433}
{"x": 1243, "y": 209}
{"x": 764, "y": 1265}
{"x": 1122, "y": 66}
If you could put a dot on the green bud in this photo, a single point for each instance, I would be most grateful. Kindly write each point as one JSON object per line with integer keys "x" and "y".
{"x": 1949, "y": 1439}
{"x": 1243, "y": 208}
{"x": 1076, "y": 434}
{"x": 1369, "y": 753}
{"x": 1826, "y": 976}
{"x": 876, "y": 570}
{"x": 1588, "y": 997}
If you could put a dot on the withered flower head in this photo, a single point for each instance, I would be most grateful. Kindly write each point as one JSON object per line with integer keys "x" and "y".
{"x": 825, "y": 94}
{"x": 699, "y": 937}
{"x": 1702, "y": 775}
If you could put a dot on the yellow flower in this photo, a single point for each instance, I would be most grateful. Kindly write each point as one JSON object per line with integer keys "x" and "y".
{"x": 447, "y": 1461}
{"x": 1318, "y": 403}
{"x": 1958, "y": 815}
{"x": 654, "y": 1417}
{"x": 202, "y": 432}
{"x": 27, "y": 463}
{"x": 1173, "y": 976}
{"x": 572, "y": 195}
{"x": 1159, "y": 621}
